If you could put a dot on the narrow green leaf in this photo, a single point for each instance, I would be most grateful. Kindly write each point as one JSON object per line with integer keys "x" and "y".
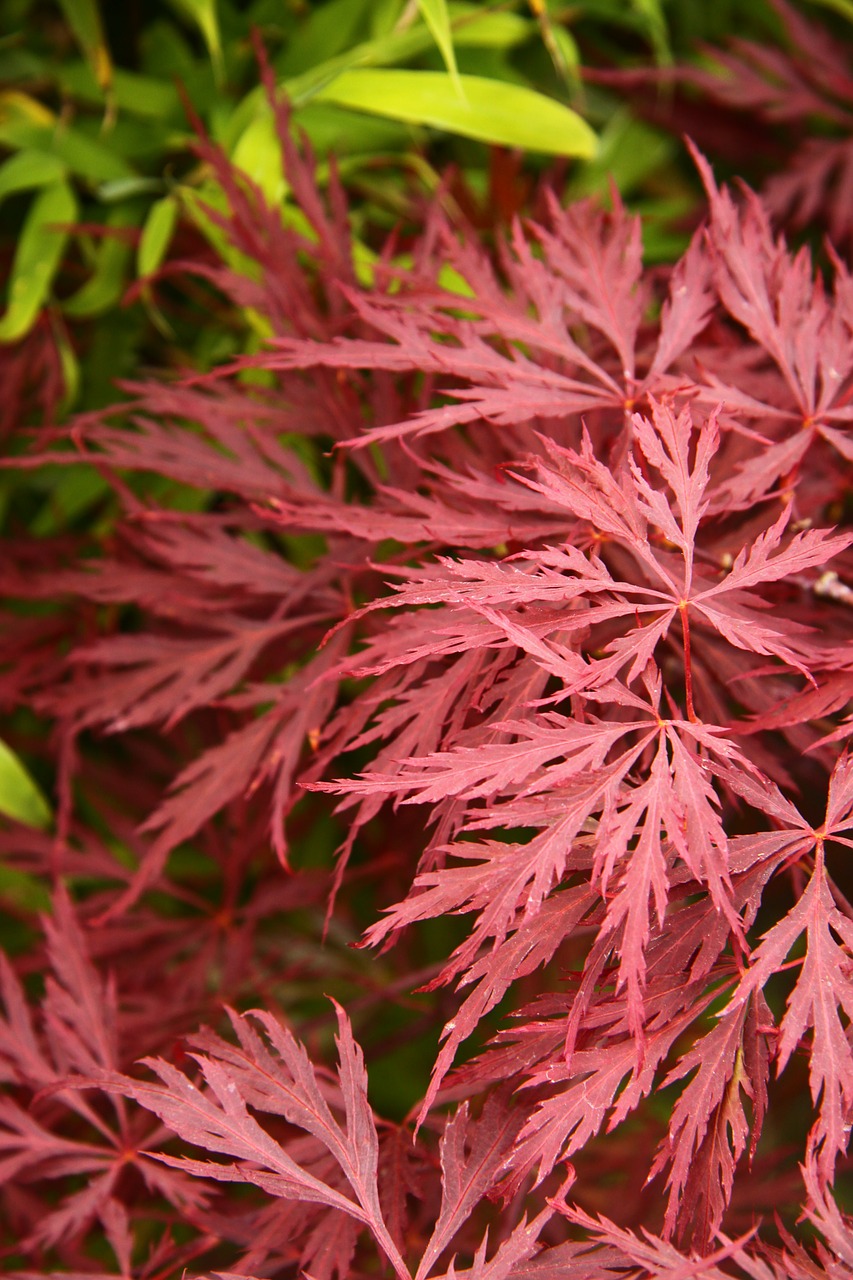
{"x": 143, "y": 96}
{"x": 68, "y": 493}
{"x": 26, "y": 125}
{"x": 204, "y": 15}
{"x": 70, "y": 366}
{"x": 29, "y": 169}
{"x": 26, "y": 891}
{"x": 20, "y": 798}
{"x": 471, "y": 27}
{"x": 844, "y": 7}
{"x": 19, "y": 110}
{"x": 86, "y": 156}
{"x": 258, "y": 154}
{"x": 156, "y": 235}
{"x": 560, "y": 44}
{"x": 652, "y": 14}
{"x": 436, "y": 17}
{"x": 478, "y": 27}
{"x": 84, "y": 19}
{"x": 323, "y": 32}
{"x": 628, "y": 151}
{"x": 126, "y": 188}
{"x": 105, "y": 286}
{"x": 504, "y": 114}
{"x": 37, "y": 257}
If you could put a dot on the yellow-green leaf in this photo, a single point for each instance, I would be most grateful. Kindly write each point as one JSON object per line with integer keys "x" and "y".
{"x": 156, "y": 235}
{"x": 844, "y": 7}
{"x": 652, "y": 14}
{"x": 560, "y": 44}
{"x": 105, "y": 286}
{"x": 504, "y": 114}
{"x": 27, "y": 125}
{"x": 204, "y": 15}
{"x": 18, "y": 109}
{"x": 37, "y": 257}
{"x": 436, "y": 17}
{"x": 29, "y": 169}
{"x": 84, "y": 19}
{"x": 258, "y": 154}
{"x": 20, "y": 797}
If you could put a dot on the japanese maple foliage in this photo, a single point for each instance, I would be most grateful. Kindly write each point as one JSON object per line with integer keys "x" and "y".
{"x": 557, "y": 563}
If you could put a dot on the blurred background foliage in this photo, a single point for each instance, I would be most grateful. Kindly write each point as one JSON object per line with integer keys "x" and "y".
{"x": 99, "y": 185}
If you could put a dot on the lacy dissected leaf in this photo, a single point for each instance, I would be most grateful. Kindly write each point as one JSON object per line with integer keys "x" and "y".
{"x": 822, "y": 997}
{"x": 591, "y": 273}
{"x": 709, "y": 1128}
{"x": 278, "y": 1078}
{"x": 54, "y": 1128}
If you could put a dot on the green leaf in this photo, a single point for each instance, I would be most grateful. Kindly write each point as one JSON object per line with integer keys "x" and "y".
{"x": 105, "y": 286}
{"x": 19, "y": 111}
{"x": 26, "y": 124}
{"x": 85, "y": 156}
{"x": 38, "y": 254}
{"x": 844, "y": 7}
{"x": 561, "y": 46}
{"x": 471, "y": 27}
{"x": 258, "y": 154}
{"x": 477, "y": 27}
{"x": 20, "y": 798}
{"x": 26, "y": 891}
{"x": 29, "y": 169}
{"x": 652, "y": 14}
{"x": 436, "y": 17}
{"x": 324, "y": 32}
{"x": 70, "y": 367}
{"x": 138, "y": 95}
{"x": 69, "y": 493}
{"x": 504, "y": 114}
{"x": 84, "y": 19}
{"x": 628, "y": 151}
{"x": 126, "y": 188}
{"x": 156, "y": 235}
{"x": 203, "y": 14}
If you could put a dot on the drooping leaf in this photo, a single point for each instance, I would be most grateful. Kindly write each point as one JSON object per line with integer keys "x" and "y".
{"x": 20, "y": 797}
{"x": 37, "y": 258}
{"x": 517, "y": 117}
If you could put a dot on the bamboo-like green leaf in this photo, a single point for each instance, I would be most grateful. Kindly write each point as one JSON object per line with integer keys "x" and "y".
{"x": 70, "y": 367}
{"x": 29, "y": 169}
{"x": 472, "y": 27}
{"x": 560, "y": 44}
{"x": 652, "y": 14}
{"x": 436, "y": 17}
{"x": 84, "y": 19}
{"x": 105, "y": 286}
{"x": 26, "y": 891}
{"x": 37, "y": 256}
{"x": 137, "y": 95}
{"x": 258, "y": 154}
{"x": 25, "y": 124}
{"x": 204, "y": 15}
{"x": 68, "y": 492}
{"x": 844, "y": 7}
{"x": 156, "y": 235}
{"x": 504, "y": 114}
{"x": 20, "y": 797}
{"x": 323, "y": 32}
{"x": 86, "y": 156}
